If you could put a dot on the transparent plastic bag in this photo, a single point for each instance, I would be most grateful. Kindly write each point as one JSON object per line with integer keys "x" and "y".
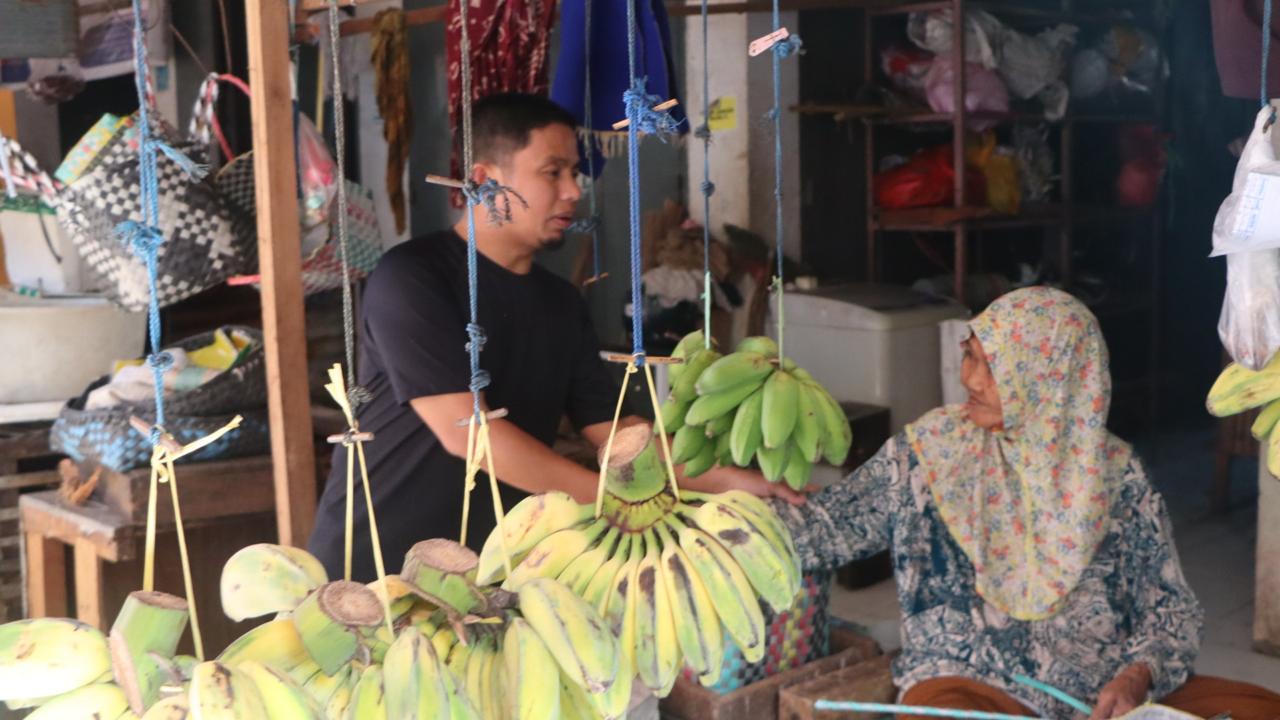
{"x": 1250, "y": 323}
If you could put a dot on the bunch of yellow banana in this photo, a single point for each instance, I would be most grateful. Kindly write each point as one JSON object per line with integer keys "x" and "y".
{"x": 671, "y": 577}
{"x": 1239, "y": 389}
{"x": 751, "y": 406}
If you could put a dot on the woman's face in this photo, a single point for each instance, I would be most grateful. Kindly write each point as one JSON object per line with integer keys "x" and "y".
{"x": 983, "y": 407}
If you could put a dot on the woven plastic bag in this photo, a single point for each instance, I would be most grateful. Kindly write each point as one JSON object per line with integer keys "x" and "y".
{"x": 1247, "y": 231}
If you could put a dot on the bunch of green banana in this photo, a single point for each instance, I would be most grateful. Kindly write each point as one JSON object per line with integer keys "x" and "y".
{"x": 753, "y": 407}
{"x": 672, "y": 578}
{"x": 1239, "y": 389}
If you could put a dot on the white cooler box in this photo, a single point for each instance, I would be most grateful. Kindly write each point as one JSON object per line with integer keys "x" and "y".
{"x": 874, "y": 344}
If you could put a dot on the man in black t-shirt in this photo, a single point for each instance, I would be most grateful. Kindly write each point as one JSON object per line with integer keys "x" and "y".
{"x": 541, "y": 354}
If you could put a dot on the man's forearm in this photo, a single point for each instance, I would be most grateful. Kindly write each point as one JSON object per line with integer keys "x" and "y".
{"x": 521, "y": 461}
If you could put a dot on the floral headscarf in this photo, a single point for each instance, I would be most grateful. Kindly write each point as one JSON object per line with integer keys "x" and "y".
{"x": 1028, "y": 504}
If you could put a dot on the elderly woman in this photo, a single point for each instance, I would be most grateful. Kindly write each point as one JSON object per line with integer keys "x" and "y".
{"x": 1026, "y": 538}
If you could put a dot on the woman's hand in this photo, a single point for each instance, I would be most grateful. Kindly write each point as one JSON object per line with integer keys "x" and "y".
{"x": 720, "y": 479}
{"x": 1127, "y": 691}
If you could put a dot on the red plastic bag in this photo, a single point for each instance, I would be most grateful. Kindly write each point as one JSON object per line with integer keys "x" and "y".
{"x": 926, "y": 180}
{"x": 1145, "y": 159}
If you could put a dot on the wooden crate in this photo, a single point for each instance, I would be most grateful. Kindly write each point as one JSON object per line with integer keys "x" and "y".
{"x": 868, "y": 681}
{"x": 207, "y": 490}
{"x": 759, "y": 701}
{"x": 22, "y": 446}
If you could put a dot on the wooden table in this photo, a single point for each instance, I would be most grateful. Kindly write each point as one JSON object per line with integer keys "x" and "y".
{"x": 225, "y": 506}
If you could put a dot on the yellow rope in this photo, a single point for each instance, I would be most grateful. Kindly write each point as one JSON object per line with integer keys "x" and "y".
{"x": 348, "y": 546}
{"x": 498, "y": 513}
{"x": 149, "y": 559}
{"x": 337, "y": 389}
{"x": 608, "y": 445}
{"x": 662, "y": 431}
{"x": 469, "y": 477}
{"x": 187, "y": 583}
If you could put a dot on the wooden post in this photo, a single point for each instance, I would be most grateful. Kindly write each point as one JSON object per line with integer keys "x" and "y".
{"x": 280, "y": 264}
{"x": 46, "y": 576}
{"x": 88, "y": 583}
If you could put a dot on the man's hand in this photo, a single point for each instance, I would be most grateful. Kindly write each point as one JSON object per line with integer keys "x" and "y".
{"x": 1127, "y": 691}
{"x": 720, "y": 479}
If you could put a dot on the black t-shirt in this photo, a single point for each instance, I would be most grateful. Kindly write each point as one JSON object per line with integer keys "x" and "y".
{"x": 542, "y": 356}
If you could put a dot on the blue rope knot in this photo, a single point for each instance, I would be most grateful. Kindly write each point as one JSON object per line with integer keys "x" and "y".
{"x": 708, "y": 188}
{"x": 477, "y": 337}
{"x": 788, "y": 47}
{"x": 195, "y": 170}
{"x": 494, "y": 197}
{"x": 703, "y": 132}
{"x": 584, "y": 225}
{"x": 479, "y": 380}
{"x": 145, "y": 240}
{"x": 155, "y": 436}
{"x": 641, "y": 114}
{"x": 161, "y": 361}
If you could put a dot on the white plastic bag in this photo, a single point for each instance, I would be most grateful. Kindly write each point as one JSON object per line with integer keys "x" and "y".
{"x": 1246, "y": 230}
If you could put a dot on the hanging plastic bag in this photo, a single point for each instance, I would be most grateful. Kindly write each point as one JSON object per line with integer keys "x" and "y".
{"x": 317, "y": 175}
{"x": 1247, "y": 231}
{"x": 984, "y": 91}
{"x": 999, "y": 172}
{"x": 926, "y": 180}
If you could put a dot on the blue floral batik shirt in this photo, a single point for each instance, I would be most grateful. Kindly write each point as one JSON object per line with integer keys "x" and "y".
{"x": 1131, "y": 605}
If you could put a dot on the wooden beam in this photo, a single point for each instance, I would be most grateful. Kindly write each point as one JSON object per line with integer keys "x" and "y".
{"x": 88, "y": 584}
{"x": 46, "y": 576}
{"x": 280, "y": 264}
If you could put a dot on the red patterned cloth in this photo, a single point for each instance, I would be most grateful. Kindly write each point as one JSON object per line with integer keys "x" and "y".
{"x": 509, "y": 41}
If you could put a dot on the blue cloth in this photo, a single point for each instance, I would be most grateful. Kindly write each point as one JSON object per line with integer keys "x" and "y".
{"x": 609, "y": 75}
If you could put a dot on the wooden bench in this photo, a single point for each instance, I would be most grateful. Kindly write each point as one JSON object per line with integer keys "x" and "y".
{"x": 225, "y": 506}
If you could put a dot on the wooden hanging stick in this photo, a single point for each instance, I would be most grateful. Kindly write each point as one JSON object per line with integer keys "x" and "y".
{"x": 166, "y": 440}
{"x": 446, "y": 181}
{"x": 595, "y": 279}
{"x": 627, "y": 358}
{"x": 764, "y": 44}
{"x": 665, "y": 105}
{"x": 488, "y": 416}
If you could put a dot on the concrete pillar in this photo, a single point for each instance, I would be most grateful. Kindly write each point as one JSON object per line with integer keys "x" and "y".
{"x": 1266, "y": 620}
{"x": 742, "y": 158}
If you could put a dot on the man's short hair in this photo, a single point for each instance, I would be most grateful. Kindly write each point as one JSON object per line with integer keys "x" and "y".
{"x": 501, "y": 123}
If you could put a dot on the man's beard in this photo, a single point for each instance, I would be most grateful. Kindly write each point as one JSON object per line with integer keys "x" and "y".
{"x": 556, "y": 243}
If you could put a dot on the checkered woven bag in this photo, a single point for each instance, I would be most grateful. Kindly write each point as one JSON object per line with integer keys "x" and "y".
{"x": 794, "y": 638}
{"x": 205, "y": 240}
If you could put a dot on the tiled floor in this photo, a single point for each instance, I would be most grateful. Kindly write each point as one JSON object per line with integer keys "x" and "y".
{"x": 1217, "y": 557}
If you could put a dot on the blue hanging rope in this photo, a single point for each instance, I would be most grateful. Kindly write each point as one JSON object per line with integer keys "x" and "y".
{"x": 144, "y": 237}
{"x": 1266, "y": 50}
{"x": 884, "y": 708}
{"x": 708, "y": 188}
{"x": 782, "y": 49}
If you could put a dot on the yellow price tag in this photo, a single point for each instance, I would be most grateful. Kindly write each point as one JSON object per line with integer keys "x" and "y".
{"x": 724, "y": 114}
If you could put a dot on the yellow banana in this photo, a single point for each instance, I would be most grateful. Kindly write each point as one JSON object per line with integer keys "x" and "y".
{"x": 550, "y": 557}
{"x": 1266, "y": 420}
{"x": 763, "y": 518}
{"x": 264, "y": 579}
{"x": 368, "y": 699}
{"x": 574, "y": 702}
{"x": 730, "y": 590}
{"x": 808, "y": 433}
{"x": 744, "y": 437}
{"x": 657, "y": 649}
{"x": 532, "y": 675}
{"x": 476, "y": 677}
{"x": 600, "y": 589}
{"x": 45, "y": 657}
{"x": 779, "y": 410}
{"x": 219, "y": 692}
{"x": 443, "y": 640}
{"x": 617, "y": 602}
{"x": 577, "y": 574}
{"x": 710, "y": 406}
{"x": 174, "y": 707}
{"x": 91, "y": 702}
{"x": 1273, "y": 452}
{"x": 767, "y": 566}
{"x": 1238, "y": 388}
{"x": 526, "y": 525}
{"x": 458, "y": 658}
{"x": 460, "y": 705}
{"x": 697, "y": 627}
{"x": 275, "y": 643}
{"x": 282, "y": 696}
{"x": 325, "y": 688}
{"x": 413, "y": 679}
{"x": 733, "y": 370}
{"x": 575, "y": 634}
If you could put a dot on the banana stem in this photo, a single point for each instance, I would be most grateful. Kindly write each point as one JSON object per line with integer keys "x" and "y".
{"x": 149, "y": 622}
{"x": 331, "y": 619}
{"x": 634, "y": 471}
{"x": 444, "y": 571}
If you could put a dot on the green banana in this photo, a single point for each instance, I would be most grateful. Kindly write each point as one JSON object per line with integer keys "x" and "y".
{"x": 1238, "y": 388}
{"x": 368, "y": 699}
{"x": 798, "y": 470}
{"x": 685, "y": 389}
{"x": 761, "y": 344}
{"x": 687, "y": 443}
{"x": 710, "y": 406}
{"x": 773, "y": 462}
{"x": 724, "y": 453}
{"x": 808, "y": 433}
{"x": 703, "y": 461}
{"x": 781, "y": 404}
{"x": 837, "y": 436}
{"x": 673, "y": 414}
{"x": 744, "y": 437}
{"x": 174, "y": 707}
{"x": 720, "y": 425}
{"x": 1273, "y": 452}
{"x": 730, "y": 371}
{"x": 1267, "y": 420}
{"x": 526, "y": 525}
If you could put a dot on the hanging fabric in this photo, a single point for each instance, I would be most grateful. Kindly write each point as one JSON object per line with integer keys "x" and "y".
{"x": 391, "y": 68}
{"x": 508, "y": 52}
{"x": 610, "y": 75}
